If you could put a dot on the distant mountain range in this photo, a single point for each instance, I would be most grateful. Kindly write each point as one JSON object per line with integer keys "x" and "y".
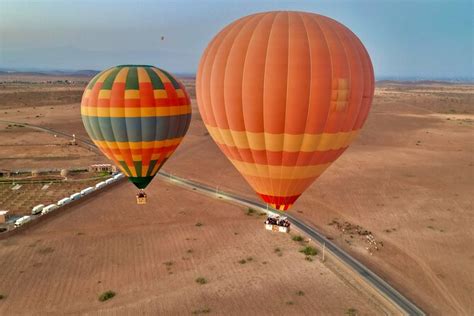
{"x": 91, "y": 73}
{"x": 72, "y": 73}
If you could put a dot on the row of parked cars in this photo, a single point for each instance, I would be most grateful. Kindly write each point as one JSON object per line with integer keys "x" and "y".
{"x": 42, "y": 209}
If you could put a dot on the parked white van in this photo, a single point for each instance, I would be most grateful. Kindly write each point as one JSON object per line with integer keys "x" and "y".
{"x": 100, "y": 185}
{"x": 75, "y": 196}
{"x": 64, "y": 201}
{"x": 87, "y": 191}
{"x": 49, "y": 208}
{"x": 37, "y": 209}
{"x": 110, "y": 180}
{"x": 22, "y": 220}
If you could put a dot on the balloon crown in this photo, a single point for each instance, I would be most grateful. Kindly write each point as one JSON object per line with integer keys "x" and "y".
{"x": 130, "y": 65}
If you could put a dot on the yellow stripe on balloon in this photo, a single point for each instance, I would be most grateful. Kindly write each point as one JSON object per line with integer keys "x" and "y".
{"x": 280, "y": 172}
{"x": 104, "y": 75}
{"x": 132, "y": 94}
{"x": 156, "y": 156}
{"x": 134, "y": 111}
{"x": 87, "y": 93}
{"x": 282, "y": 142}
{"x": 160, "y": 94}
{"x": 104, "y": 94}
{"x": 144, "y": 170}
{"x": 155, "y": 168}
{"x": 138, "y": 145}
{"x": 162, "y": 76}
{"x": 143, "y": 75}
{"x": 180, "y": 93}
{"x": 133, "y": 171}
{"x": 122, "y": 75}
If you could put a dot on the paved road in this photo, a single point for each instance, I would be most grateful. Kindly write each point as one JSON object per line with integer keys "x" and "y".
{"x": 383, "y": 287}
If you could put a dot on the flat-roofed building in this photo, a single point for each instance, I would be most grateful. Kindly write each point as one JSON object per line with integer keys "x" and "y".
{"x": 3, "y": 216}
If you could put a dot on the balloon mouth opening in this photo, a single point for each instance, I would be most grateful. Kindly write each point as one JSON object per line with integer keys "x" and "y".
{"x": 140, "y": 182}
{"x": 281, "y": 203}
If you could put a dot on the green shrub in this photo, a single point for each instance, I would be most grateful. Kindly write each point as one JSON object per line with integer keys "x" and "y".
{"x": 106, "y": 296}
{"x": 242, "y": 261}
{"x": 198, "y": 224}
{"x": 351, "y": 311}
{"x": 250, "y": 211}
{"x": 297, "y": 238}
{"x": 202, "y": 311}
{"x": 309, "y": 251}
{"x": 300, "y": 293}
{"x": 201, "y": 280}
{"x": 308, "y": 258}
{"x": 2, "y": 296}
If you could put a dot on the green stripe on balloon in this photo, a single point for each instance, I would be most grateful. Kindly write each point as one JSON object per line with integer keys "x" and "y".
{"x": 151, "y": 167}
{"x": 138, "y": 167}
{"x": 125, "y": 167}
{"x": 170, "y": 77}
{"x": 109, "y": 81}
{"x": 155, "y": 79}
{"x": 136, "y": 129}
{"x": 132, "y": 79}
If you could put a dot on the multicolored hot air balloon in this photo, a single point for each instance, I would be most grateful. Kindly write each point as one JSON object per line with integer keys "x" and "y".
{"x": 137, "y": 116}
{"x": 283, "y": 94}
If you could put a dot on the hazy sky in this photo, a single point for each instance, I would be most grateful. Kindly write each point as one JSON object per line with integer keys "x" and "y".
{"x": 404, "y": 38}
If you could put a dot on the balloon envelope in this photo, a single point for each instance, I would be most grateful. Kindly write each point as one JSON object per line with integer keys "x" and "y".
{"x": 283, "y": 94}
{"x": 137, "y": 116}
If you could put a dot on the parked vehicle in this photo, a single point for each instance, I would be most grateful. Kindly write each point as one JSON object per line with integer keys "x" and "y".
{"x": 100, "y": 185}
{"x": 37, "y": 209}
{"x": 87, "y": 191}
{"x": 22, "y": 220}
{"x": 64, "y": 201}
{"x": 110, "y": 180}
{"x": 118, "y": 176}
{"x": 49, "y": 208}
{"x": 75, "y": 196}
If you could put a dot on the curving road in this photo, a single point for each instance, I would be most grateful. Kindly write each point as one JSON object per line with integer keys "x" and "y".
{"x": 408, "y": 307}
{"x": 405, "y": 305}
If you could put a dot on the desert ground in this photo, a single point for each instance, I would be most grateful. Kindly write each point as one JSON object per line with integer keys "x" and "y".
{"x": 407, "y": 179}
{"x": 152, "y": 255}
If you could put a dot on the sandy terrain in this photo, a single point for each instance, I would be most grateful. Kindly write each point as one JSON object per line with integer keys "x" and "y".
{"x": 25, "y": 148}
{"x": 151, "y": 256}
{"x": 407, "y": 179}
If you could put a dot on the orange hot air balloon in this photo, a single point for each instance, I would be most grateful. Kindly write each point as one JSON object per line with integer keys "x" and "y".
{"x": 283, "y": 94}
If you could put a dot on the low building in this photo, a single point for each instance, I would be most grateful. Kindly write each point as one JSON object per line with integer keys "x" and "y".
{"x": 104, "y": 167}
{"x": 5, "y": 173}
{"x": 3, "y": 216}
